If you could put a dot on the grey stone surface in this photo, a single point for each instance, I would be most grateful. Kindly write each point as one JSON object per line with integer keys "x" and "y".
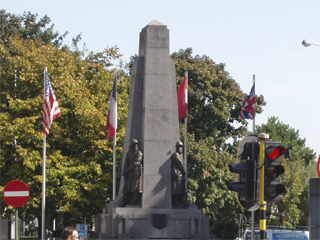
{"x": 133, "y": 222}
{"x": 153, "y": 115}
{"x": 152, "y": 120}
{"x": 314, "y": 208}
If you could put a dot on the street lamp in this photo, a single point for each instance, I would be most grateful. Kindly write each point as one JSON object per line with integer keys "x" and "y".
{"x": 307, "y": 43}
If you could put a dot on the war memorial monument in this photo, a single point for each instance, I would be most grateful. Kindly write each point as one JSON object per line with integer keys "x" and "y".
{"x": 151, "y": 201}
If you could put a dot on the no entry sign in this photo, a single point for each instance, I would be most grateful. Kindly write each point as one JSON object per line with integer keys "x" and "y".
{"x": 16, "y": 193}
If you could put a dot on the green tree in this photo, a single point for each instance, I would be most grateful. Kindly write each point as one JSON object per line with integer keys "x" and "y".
{"x": 214, "y": 100}
{"x": 309, "y": 171}
{"x": 79, "y": 159}
{"x": 208, "y": 178}
{"x": 300, "y": 165}
{"x": 27, "y": 27}
{"x": 289, "y": 137}
{"x": 294, "y": 204}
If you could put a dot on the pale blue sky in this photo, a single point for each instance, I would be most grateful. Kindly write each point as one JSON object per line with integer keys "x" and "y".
{"x": 261, "y": 37}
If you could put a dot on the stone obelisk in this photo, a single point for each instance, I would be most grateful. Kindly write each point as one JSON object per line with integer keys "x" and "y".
{"x": 153, "y": 113}
{"x": 153, "y": 121}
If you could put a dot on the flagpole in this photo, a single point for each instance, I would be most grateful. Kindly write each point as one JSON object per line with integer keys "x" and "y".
{"x": 185, "y": 146}
{"x": 114, "y": 144}
{"x": 114, "y": 165}
{"x": 44, "y": 170}
{"x": 16, "y": 212}
{"x": 186, "y": 140}
{"x": 254, "y": 132}
{"x": 254, "y": 118}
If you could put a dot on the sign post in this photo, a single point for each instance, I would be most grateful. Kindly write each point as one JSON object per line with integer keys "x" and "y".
{"x": 16, "y": 225}
{"x": 16, "y": 194}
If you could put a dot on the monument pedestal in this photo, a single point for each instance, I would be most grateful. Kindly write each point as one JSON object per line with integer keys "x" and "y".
{"x": 132, "y": 222}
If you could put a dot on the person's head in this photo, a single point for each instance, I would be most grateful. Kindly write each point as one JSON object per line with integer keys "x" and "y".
{"x": 70, "y": 233}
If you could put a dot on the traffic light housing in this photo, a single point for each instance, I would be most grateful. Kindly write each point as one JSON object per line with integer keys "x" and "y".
{"x": 273, "y": 169}
{"x": 247, "y": 185}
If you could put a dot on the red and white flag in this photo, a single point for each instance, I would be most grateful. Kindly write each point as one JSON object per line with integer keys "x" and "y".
{"x": 51, "y": 108}
{"x": 183, "y": 98}
{"x": 112, "y": 114}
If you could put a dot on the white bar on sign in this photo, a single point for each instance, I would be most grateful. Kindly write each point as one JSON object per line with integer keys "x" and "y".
{"x": 16, "y": 193}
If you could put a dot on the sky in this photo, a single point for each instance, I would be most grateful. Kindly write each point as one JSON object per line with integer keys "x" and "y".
{"x": 251, "y": 37}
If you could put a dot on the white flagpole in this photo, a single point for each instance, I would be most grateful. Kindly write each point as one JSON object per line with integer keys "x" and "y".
{"x": 254, "y": 118}
{"x": 114, "y": 151}
{"x": 186, "y": 138}
{"x": 16, "y": 211}
{"x": 185, "y": 147}
{"x": 254, "y": 132}
{"x": 44, "y": 171}
{"x": 114, "y": 165}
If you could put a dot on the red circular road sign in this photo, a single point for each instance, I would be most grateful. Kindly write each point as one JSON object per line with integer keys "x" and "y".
{"x": 319, "y": 166}
{"x": 16, "y": 193}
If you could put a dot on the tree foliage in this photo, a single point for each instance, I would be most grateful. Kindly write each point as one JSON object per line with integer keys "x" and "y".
{"x": 289, "y": 137}
{"x": 214, "y": 98}
{"x": 27, "y": 27}
{"x": 293, "y": 206}
{"x": 208, "y": 178}
{"x": 79, "y": 159}
{"x": 300, "y": 165}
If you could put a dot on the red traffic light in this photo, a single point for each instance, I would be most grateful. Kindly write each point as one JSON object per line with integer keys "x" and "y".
{"x": 274, "y": 152}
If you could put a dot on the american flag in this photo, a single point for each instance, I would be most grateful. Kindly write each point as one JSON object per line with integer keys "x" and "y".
{"x": 249, "y": 104}
{"x": 51, "y": 108}
{"x": 183, "y": 98}
{"x": 112, "y": 121}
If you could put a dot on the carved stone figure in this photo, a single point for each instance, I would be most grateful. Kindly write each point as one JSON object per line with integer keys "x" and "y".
{"x": 133, "y": 172}
{"x": 178, "y": 178}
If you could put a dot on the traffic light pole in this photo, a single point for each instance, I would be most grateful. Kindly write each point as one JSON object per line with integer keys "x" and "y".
{"x": 263, "y": 205}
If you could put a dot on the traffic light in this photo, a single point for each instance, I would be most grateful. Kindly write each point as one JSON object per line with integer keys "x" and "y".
{"x": 273, "y": 169}
{"x": 247, "y": 185}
